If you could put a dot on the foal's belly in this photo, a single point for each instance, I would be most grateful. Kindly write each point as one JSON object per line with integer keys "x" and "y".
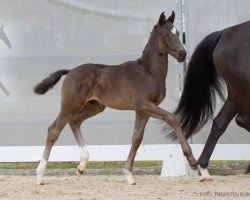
{"x": 115, "y": 103}
{"x": 116, "y": 99}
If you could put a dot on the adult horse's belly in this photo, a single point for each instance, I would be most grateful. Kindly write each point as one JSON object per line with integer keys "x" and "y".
{"x": 244, "y": 105}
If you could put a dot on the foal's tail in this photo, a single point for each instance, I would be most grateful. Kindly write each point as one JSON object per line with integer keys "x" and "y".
{"x": 198, "y": 101}
{"x": 48, "y": 83}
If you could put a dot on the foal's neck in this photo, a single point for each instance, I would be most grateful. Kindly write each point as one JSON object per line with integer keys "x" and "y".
{"x": 153, "y": 60}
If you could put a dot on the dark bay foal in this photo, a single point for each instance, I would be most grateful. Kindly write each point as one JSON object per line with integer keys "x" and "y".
{"x": 134, "y": 85}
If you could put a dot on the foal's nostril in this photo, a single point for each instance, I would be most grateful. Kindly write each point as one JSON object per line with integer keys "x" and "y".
{"x": 182, "y": 54}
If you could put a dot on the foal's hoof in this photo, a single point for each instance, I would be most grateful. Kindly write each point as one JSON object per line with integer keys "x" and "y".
{"x": 39, "y": 182}
{"x": 80, "y": 170}
{"x": 131, "y": 181}
{"x": 193, "y": 164}
{"x": 202, "y": 179}
{"x": 39, "y": 179}
{"x": 79, "y": 173}
{"x": 129, "y": 177}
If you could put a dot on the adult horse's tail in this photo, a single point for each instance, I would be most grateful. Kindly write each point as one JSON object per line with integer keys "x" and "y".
{"x": 48, "y": 83}
{"x": 197, "y": 101}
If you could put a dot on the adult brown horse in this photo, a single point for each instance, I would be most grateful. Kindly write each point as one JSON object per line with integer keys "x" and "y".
{"x": 134, "y": 85}
{"x": 223, "y": 54}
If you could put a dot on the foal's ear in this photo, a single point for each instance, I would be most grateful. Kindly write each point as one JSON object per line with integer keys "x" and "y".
{"x": 171, "y": 17}
{"x": 162, "y": 19}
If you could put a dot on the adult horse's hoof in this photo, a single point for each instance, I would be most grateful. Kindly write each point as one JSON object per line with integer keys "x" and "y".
{"x": 204, "y": 174}
{"x": 129, "y": 177}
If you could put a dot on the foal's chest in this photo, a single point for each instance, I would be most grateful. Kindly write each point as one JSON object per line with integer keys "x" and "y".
{"x": 159, "y": 93}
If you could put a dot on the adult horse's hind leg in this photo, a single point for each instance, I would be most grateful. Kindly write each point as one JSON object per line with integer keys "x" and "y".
{"x": 244, "y": 122}
{"x": 220, "y": 123}
{"x": 89, "y": 110}
{"x": 140, "y": 123}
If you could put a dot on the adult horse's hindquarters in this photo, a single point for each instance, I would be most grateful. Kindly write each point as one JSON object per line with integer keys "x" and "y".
{"x": 223, "y": 54}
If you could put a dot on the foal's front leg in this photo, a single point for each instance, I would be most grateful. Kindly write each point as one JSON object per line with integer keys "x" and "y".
{"x": 152, "y": 110}
{"x": 140, "y": 123}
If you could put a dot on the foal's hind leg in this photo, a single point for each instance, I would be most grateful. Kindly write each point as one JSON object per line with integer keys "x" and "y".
{"x": 89, "y": 110}
{"x": 70, "y": 105}
{"x": 53, "y": 133}
{"x": 220, "y": 123}
{"x": 140, "y": 123}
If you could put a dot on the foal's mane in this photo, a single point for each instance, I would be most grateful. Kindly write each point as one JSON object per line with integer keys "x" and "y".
{"x": 154, "y": 29}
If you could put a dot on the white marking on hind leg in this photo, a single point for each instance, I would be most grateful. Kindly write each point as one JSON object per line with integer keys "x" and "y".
{"x": 40, "y": 170}
{"x": 84, "y": 157}
{"x": 205, "y": 176}
{"x": 129, "y": 177}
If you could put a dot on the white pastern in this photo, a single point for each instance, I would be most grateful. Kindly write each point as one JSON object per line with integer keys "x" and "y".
{"x": 129, "y": 177}
{"x": 40, "y": 170}
{"x": 84, "y": 157}
{"x": 173, "y": 30}
{"x": 205, "y": 176}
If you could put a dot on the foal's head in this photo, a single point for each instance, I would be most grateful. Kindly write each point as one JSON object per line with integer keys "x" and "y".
{"x": 168, "y": 38}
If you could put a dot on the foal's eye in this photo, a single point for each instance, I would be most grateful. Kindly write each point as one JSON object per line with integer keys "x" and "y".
{"x": 166, "y": 37}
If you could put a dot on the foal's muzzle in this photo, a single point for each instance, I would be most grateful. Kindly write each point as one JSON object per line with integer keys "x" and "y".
{"x": 181, "y": 55}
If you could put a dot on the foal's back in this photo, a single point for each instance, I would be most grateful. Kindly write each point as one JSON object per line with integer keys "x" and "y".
{"x": 116, "y": 86}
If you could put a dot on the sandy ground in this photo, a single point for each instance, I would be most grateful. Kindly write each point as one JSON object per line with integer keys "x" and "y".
{"x": 116, "y": 187}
